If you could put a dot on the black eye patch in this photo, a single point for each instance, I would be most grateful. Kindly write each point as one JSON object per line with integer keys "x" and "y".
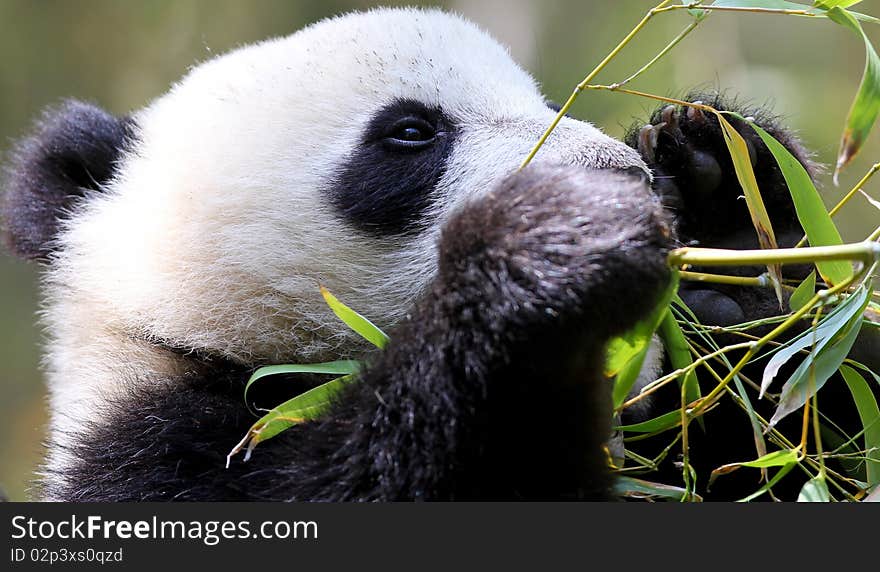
{"x": 386, "y": 185}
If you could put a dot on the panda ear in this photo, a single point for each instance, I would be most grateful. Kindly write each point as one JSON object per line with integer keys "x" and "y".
{"x": 72, "y": 149}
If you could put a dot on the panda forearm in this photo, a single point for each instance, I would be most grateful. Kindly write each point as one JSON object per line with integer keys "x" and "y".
{"x": 493, "y": 388}
{"x": 509, "y": 429}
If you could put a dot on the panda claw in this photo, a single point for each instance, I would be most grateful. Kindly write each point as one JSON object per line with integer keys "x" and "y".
{"x": 648, "y": 141}
{"x": 675, "y": 147}
{"x": 696, "y": 115}
{"x": 669, "y": 117}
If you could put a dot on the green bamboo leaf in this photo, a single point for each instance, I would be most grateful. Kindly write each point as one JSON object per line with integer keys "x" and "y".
{"x": 784, "y": 458}
{"x": 687, "y": 313}
{"x": 866, "y": 106}
{"x": 774, "y": 459}
{"x": 342, "y": 367}
{"x": 627, "y": 377}
{"x": 828, "y": 4}
{"x": 630, "y": 487}
{"x": 827, "y": 329}
{"x": 739, "y": 153}
{"x": 815, "y": 490}
{"x": 803, "y": 293}
{"x": 769, "y": 4}
{"x": 625, "y": 347}
{"x": 355, "y": 321}
{"x": 625, "y": 354}
{"x": 811, "y": 212}
{"x": 660, "y": 423}
{"x": 769, "y": 484}
{"x": 823, "y": 361}
{"x": 698, "y": 14}
{"x": 678, "y": 352}
{"x": 784, "y": 5}
{"x": 304, "y": 407}
{"x": 869, "y": 414}
{"x": 864, "y": 17}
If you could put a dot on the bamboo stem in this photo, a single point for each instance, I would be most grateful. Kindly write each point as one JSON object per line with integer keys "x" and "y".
{"x": 866, "y": 252}
{"x": 675, "y": 41}
{"x": 755, "y": 10}
{"x": 658, "y": 9}
{"x": 760, "y": 281}
{"x": 580, "y": 87}
{"x": 754, "y": 347}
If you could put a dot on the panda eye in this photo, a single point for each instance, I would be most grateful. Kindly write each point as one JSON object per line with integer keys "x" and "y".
{"x": 410, "y": 133}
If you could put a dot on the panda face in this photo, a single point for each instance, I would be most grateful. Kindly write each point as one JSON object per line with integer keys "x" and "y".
{"x": 329, "y": 157}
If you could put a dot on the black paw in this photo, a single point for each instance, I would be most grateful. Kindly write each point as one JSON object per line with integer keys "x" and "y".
{"x": 555, "y": 240}
{"x": 694, "y": 175}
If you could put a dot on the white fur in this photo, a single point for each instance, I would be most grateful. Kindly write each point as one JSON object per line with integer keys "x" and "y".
{"x": 216, "y": 234}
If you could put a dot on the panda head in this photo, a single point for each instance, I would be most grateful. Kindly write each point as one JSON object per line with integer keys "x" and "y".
{"x": 207, "y": 220}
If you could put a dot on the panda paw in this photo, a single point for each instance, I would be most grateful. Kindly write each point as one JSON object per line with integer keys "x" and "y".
{"x": 560, "y": 241}
{"x": 694, "y": 174}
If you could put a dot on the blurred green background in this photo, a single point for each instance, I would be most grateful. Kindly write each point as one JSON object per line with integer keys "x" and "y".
{"x": 121, "y": 55}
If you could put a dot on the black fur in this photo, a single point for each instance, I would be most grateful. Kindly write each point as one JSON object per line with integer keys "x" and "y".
{"x": 387, "y": 189}
{"x": 74, "y": 149}
{"x": 695, "y": 178}
{"x": 491, "y": 389}
{"x": 707, "y": 201}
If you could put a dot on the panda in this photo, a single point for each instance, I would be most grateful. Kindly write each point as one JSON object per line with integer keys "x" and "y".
{"x": 375, "y": 154}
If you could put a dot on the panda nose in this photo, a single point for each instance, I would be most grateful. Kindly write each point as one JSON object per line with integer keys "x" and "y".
{"x": 635, "y": 172}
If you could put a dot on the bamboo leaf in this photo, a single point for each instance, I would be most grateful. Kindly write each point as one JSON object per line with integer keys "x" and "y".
{"x": 823, "y": 361}
{"x": 864, "y": 17}
{"x": 815, "y": 490}
{"x": 304, "y": 407}
{"x": 627, "y": 376}
{"x": 342, "y": 367}
{"x": 626, "y": 353}
{"x": 630, "y": 487}
{"x": 770, "y": 484}
{"x": 784, "y": 458}
{"x": 866, "y": 106}
{"x": 803, "y": 293}
{"x": 811, "y": 212}
{"x": 828, "y": 4}
{"x": 625, "y": 347}
{"x": 774, "y": 459}
{"x": 829, "y": 327}
{"x": 869, "y": 414}
{"x": 355, "y": 321}
{"x": 678, "y": 352}
{"x": 739, "y": 153}
{"x": 769, "y": 4}
{"x": 660, "y": 423}
{"x": 784, "y": 5}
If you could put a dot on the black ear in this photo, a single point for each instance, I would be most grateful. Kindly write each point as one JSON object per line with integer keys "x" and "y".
{"x": 72, "y": 149}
